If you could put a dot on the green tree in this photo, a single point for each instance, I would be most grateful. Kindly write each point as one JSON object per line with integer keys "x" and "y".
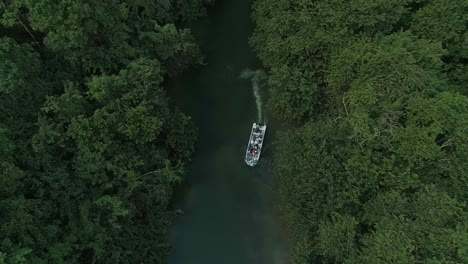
{"x": 90, "y": 147}
{"x": 104, "y": 36}
{"x": 376, "y": 169}
{"x": 446, "y": 22}
{"x": 20, "y": 85}
{"x": 299, "y": 37}
{"x": 125, "y": 156}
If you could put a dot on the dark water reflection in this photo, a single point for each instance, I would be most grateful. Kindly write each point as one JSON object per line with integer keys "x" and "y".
{"x": 230, "y": 213}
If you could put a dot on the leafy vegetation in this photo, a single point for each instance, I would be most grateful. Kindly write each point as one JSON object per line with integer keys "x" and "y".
{"x": 90, "y": 149}
{"x": 376, "y": 168}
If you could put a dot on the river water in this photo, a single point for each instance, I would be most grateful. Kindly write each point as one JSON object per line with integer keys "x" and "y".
{"x": 230, "y": 213}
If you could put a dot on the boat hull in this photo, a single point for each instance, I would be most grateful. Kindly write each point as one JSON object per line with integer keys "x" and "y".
{"x": 254, "y": 147}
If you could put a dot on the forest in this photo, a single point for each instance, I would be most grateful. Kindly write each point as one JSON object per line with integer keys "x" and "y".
{"x": 374, "y": 167}
{"x": 90, "y": 148}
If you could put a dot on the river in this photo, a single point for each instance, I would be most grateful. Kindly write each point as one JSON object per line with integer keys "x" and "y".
{"x": 230, "y": 213}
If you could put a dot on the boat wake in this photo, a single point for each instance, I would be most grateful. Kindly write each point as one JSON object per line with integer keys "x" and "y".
{"x": 255, "y": 77}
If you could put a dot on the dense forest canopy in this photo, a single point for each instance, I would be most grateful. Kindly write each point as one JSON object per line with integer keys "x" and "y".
{"x": 376, "y": 168}
{"x": 90, "y": 148}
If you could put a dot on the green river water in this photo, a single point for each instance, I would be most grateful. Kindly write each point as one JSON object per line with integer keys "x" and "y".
{"x": 230, "y": 212}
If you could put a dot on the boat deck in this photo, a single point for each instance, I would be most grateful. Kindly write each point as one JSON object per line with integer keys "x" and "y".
{"x": 254, "y": 147}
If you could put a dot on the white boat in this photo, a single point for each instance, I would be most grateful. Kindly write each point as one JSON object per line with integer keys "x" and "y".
{"x": 254, "y": 147}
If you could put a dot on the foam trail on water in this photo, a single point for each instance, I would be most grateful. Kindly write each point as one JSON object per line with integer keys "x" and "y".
{"x": 255, "y": 77}
{"x": 258, "y": 99}
{"x": 247, "y": 74}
